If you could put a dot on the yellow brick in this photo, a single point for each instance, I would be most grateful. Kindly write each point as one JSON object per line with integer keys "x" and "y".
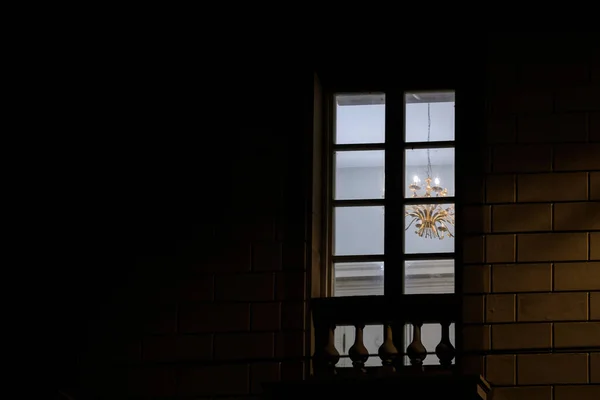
{"x": 577, "y": 157}
{"x": 548, "y": 369}
{"x": 500, "y": 308}
{"x": 476, "y": 337}
{"x": 595, "y": 367}
{"x": 595, "y": 246}
{"x": 552, "y": 307}
{"x": 577, "y": 216}
{"x": 473, "y": 250}
{"x": 552, "y": 247}
{"x": 476, "y": 279}
{"x": 522, "y": 277}
{"x": 595, "y": 305}
{"x": 521, "y": 336}
{"x": 472, "y": 364}
{"x": 579, "y": 392}
{"x": 577, "y": 334}
{"x": 500, "y": 189}
{"x": 546, "y": 127}
{"x": 560, "y": 186}
{"x": 476, "y": 219}
{"x": 595, "y": 186}
{"x": 576, "y": 98}
{"x": 473, "y": 309}
{"x": 595, "y": 116}
{"x": 500, "y": 248}
{"x": 522, "y": 158}
{"x": 523, "y": 393}
{"x": 577, "y": 276}
{"x": 472, "y": 189}
{"x": 522, "y": 218}
{"x": 500, "y": 369}
{"x": 501, "y": 129}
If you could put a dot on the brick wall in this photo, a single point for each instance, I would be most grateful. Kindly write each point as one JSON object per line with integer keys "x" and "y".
{"x": 533, "y": 247}
{"x": 224, "y": 308}
{"x": 216, "y": 302}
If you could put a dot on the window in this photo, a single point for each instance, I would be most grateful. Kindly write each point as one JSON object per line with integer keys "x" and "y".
{"x": 391, "y": 202}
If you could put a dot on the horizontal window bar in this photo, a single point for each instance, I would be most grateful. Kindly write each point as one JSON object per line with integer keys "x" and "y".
{"x": 429, "y": 200}
{"x": 430, "y": 145}
{"x": 406, "y": 201}
{"x": 358, "y": 203}
{"x": 382, "y": 146}
{"x": 381, "y": 257}
{"x": 429, "y": 256}
{"x": 360, "y": 258}
{"x": 359, "y": 146}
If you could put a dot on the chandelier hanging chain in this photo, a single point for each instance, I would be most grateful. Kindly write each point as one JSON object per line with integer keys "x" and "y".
{"x": 429, "y": 169}
{"x": 432, "y": 221}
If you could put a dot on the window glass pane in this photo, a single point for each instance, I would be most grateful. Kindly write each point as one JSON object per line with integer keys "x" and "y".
{"x": 359, "y": 174}
{"x": 428, "y": 276}
{"x": 429, "y": 116}
{"x": 360, "y": 118}
{"x": 429, "y": 228}
{"x": 358, "y": 230}
{"x": 358, "y": 279}
{"x": 431, "y": 334}
{"x": 429, "y": 171}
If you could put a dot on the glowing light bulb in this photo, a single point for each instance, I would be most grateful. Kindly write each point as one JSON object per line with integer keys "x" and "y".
{"x": 416, "y": 179}
{"x": 437, "y": 181}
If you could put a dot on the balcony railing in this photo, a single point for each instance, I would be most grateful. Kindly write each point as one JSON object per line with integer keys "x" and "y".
{"x": 394, "y": 313}
{"x": 431, "y": 382}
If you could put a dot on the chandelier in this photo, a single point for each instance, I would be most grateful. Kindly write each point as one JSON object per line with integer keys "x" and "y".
{"x": 432, "y": 221}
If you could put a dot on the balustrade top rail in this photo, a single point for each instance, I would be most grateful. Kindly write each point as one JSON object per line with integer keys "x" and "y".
{"x": 370, "y": 310}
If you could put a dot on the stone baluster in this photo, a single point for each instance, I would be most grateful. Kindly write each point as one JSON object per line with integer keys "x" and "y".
{"x": 358, "y": 352}
{"x": 387, "y": 351}
{"x": 445, "y": 351}
{"x": 326, "y": 355}
{"x": 416, "y": 351}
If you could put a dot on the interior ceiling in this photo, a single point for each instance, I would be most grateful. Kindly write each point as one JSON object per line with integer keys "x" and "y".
{"x": 364, "y": 122}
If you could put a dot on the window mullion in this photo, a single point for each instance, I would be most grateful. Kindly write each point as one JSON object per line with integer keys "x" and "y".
{"x": 394, "y": 181}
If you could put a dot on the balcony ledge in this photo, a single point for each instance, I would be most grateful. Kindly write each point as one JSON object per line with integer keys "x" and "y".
{"x": 423, "y": 386}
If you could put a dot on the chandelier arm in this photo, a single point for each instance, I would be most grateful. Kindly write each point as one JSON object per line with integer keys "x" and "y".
{"x": 449, "y": 233}
{"x": 412, "y": 222}
{"x": 445, "y": 223}
{"x": 414, "y": 213}
{"x": 427, "y": 213}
